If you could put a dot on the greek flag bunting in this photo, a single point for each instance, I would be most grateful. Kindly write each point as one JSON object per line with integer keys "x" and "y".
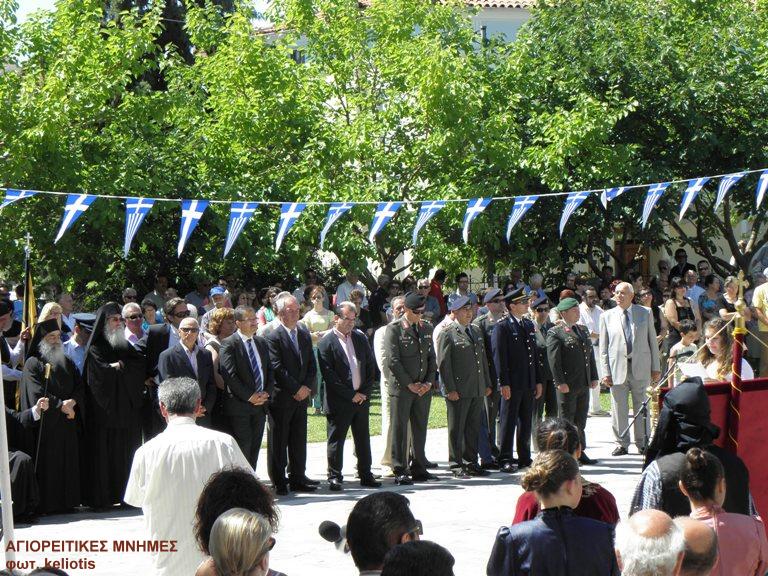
{"x": 136, "y": 209}
{"x": 690, "y": 194}
{"x": 427, "y": 210}
{"x": 12, "y": 195}
{"x": 762, "y": 186}
{"x": 572, "y": 202}
{"x": 609, "y": 194}
{"x": 521, "y": 206}
{"x": 654, "y": 193}
{"x": 191, "y": 212}
{"x": 384, "y": 213}
{"x": 75, "y": 206}
{"x": 289, "y": 213}
{"x": 336, "y": 211}
{"x": 474, "y": 209}
{"x": 725, "y": 185}
{"x": 239, "y": 215}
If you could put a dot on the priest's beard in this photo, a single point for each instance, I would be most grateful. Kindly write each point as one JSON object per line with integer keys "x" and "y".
{"x": 116, "y": 337}
{"x": 52, "y": 353}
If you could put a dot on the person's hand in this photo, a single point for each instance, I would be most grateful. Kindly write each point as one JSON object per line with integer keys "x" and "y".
{"x": 593, "y": 384}
{"x": 608, "y": 381}
{"x": 563, "y": 388}
{"x": 117, "y": 365}
{"x": 425, "y": 387}
{"x": 303, "y": 393}
{"x": 200, "y": 412}
{"x": 258, "y": 398}
{"x": 506, "y": 392}
{"x": 149, "y": 382}
{"x": 25, "y": 334}
{"x": 415, "y": 387}
{"x": 539, "y": 391}
{"x": 488, "y": 391}
{"x": 655, "y": 375}
{"x": 359, "y": 398}
{"x": 452, "y": 396}
{"x": 42, "y": 404}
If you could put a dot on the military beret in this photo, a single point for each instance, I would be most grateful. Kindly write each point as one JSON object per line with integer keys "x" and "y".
{"x": 491, "y": 294}
{"x": 458, "y": 303}
{"x": 414, "y": 300}
{"x": 515, "y": 296}
{"x": 567, "y": 304}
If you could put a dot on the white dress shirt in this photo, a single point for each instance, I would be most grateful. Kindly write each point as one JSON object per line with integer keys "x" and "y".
{"x": 591, "y": 319}
{"x": 167, "y": 476}
{"x": 245, "y": 340}
{"x": 345, "y": 289}
{"x": 192, "y": 357}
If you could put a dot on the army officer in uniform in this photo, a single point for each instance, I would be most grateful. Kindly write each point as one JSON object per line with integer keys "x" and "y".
{"x": 573, "y": 368}
{"x": 464, "y": 372}
{"x": 410, "y": 371}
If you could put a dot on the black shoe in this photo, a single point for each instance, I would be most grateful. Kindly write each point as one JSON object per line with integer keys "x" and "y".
{"x": 619, "y": 451}
{"x": 490, "y": 465}
{"x": 432, "y": 465}
{"x": 526, "y": 464}
{"x": 475, "y": 470}
{"x": 309, "y": 481}
{"x": 369, "y": 481}
{"x": 403, "y": 480}
{"x": 460, "y": 473}
{"x": 424, "y": 476}
{"x": 334, "y": 484}
{"x": 586, "y": 460}
{"x": 508, "y": 468}
{"x": 303, "y": 487}
{"x": 281, "y": 490}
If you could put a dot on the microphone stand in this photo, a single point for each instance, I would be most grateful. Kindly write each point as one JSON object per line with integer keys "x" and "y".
{"x": 42, "y": 414}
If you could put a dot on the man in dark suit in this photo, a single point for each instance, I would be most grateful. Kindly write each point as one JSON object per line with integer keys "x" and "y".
{"x": 188, "y": 359}
{"x": 347, "y": 366}
{"x": 464, "y": 372}
{"x": 159, "y": 338}
{"x": 516, "y": 361}
{"x": 245, "y": 366}
{"x": 292, "y": 358}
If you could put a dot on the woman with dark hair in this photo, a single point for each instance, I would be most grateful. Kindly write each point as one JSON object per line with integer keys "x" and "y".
{"x": 557, "y": 541}
{"x": 221, "y": 324}
{"x": 717, "y": 357}
{"x": 726, "y": 303}
{"x": 266, "y": 314}
{"x": 708, "y": 301}
{"x": 233, "y": 488}
{"x": 645, "y": 298}
{"x": 741, "y": 542}
{"x": 677, "y": 309}
{"x": 596, "y": 502}
{"x": 319, "y": 321}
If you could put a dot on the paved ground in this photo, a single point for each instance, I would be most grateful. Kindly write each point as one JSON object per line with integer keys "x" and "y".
{"x": 461, "y": 515}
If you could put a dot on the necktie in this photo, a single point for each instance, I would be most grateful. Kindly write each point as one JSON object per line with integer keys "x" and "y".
{"x": 258, "y": 384}
{"x": 352, "y": 359}
{"x": 295, "y": 341}
{"x": 468, "y": 332}
{"x": 627, "y": 325}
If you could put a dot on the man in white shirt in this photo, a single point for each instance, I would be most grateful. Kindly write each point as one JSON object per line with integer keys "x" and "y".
{"x": 352, "y": 283}
{"x": 169, "y": 472}
{"x": 693, "y": 290}
{"x": 67, "y": 304}
{"x": 133, "y": 318}
{"x": 590, "y": 317}
{"x": 74, "y": 348}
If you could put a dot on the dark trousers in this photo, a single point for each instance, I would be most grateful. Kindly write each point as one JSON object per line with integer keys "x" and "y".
{"x": 491, "y": 404}
{"x": 152, "y": 422}
{"x": 339, "y": 423}
{"x": 516, "y": 415}
{"x": 287, "y": 439}
{"x": 574, "y": 407}
{"x": 409, "y": 407}
{"x": 248, "y": 431}
{"x": 547, "y": 404}
{"x": 464, "y": 417}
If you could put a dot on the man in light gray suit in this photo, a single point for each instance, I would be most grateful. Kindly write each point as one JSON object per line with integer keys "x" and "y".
{"x": 629, "y": 357}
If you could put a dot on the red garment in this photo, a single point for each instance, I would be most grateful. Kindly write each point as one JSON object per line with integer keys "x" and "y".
{"x": 596, "y": 503}
{"x": 436, "y": 290}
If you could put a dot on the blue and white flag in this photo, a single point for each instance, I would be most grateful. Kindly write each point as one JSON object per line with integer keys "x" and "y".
{"x": 75, "y": 206}
{"x": 289, "y": 213}
{"x": 694, "y": 187}
{"x": 384, "y": 213}
{"x": 12, "y": 195}
{"x": 572, "y": 202}
{"x": 474, "y": 209}
{"x": 336, "y": 211}
{"x": 762, "y": 186}
{"x": 521, "y": 206}
{"x": 136, "y": 209}
{"x": 191, "y": 212}
{"x": 726, "y": 184}
{"x": 654, "y": 193}
{"x": 427, "y": 210}
{"x": 611, "y": 193}
{"x": 239, "y": 215}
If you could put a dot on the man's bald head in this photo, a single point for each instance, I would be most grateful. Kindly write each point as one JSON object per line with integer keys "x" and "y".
{"x": 700, "y": 547}
{"x": 649, "y": 544}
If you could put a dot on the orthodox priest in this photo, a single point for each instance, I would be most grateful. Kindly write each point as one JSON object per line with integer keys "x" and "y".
{"x": 114, "y": 377}
{"x": 49, "y": 373}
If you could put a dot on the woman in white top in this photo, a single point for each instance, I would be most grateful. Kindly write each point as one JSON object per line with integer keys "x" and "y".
{"x": 318, "y": 321}
{"x": 716, "y": 356}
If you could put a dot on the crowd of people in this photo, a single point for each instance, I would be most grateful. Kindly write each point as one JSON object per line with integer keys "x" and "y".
{"x": 133, "y": 393}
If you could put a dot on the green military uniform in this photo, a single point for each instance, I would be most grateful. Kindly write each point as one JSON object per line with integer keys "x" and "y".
{"x": 408, "y": 357}
{"x": 486, "y": 323}
{"x": 463, "y": 369}
{"x": 547, "y": 402}
{"x": 572, "y": 362}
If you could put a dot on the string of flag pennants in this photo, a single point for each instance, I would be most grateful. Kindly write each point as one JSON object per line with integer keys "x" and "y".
{"x": 137, "y": 209}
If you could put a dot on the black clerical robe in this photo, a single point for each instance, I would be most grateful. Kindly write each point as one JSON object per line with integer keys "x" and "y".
{"x": 58, "y": 457}
{"x": 113, "y": 422}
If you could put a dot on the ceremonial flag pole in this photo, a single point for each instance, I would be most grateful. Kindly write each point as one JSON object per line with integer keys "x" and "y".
{"x": 734, "y": 404}
{"x": 29, "y": 313}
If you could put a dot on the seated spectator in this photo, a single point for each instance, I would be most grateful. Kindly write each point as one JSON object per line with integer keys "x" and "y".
{"x": 649, "y": 544}
{"x": 596, "y": 502}
{"x": 240, "y": 543}
{"x": 418, "y": 558}
{"x": 717, "y": 356}
{"x": 700, "y": 547}
{"x": 741, "y": 541}
{"x": 225, "y": 490}
{"x": 684, "y": 423}
{"x": 557, "y": 542}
